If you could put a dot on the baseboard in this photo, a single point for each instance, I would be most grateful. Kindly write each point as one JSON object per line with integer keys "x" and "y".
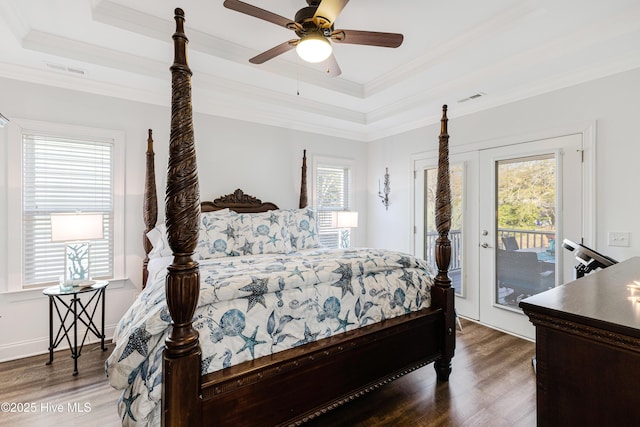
{"x": 22, "y": 349}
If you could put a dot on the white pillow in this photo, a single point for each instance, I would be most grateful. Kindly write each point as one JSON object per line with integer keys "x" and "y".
{"x": 160, "y": 245}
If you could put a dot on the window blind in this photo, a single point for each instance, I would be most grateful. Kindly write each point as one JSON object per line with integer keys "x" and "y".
{"x": 332, "y": 195}
{"x": 64, "y": 175}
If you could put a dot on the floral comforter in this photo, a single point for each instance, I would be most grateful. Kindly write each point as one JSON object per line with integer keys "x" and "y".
{"x": 251, "y": 306}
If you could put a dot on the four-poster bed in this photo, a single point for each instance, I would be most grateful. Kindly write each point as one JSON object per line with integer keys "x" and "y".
{"x": 323, "y": 367}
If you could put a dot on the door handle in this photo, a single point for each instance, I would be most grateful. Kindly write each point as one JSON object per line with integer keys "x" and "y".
{"x": 485, "y": 245}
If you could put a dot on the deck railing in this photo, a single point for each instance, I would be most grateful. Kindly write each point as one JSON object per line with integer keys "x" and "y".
{"x": 455, "y": 236}
{"x": 526, "y": 239}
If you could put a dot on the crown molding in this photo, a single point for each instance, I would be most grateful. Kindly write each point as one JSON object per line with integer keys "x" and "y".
{"x": 65, "y": 81}
{"x": 497, "y": 24}
{"x": 14, "y": 19}
{"x": 402, "y": 100}
{"x": 226, "y": 104}
{"x": 89, "y": 53}
{"x": 116, "y": 15}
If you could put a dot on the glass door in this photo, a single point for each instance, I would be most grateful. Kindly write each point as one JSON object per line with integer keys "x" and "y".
{"x": 531, "y": 199}
{"x": 463, "y": 269}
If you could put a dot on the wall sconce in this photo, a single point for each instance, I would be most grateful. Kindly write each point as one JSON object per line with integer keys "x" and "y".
{"x": 75, "y": 230}
{"x": 387, "y": 190}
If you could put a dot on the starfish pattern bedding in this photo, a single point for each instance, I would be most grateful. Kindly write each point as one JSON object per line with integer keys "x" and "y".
{"x": 256, "y": 305}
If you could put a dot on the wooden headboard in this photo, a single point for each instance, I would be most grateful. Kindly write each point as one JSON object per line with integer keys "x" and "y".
{"x": 239, "y": 202}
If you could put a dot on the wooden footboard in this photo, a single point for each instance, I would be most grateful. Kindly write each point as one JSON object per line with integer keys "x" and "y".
{"x": 301, "y": 383}
{"x": 296, "y": 385}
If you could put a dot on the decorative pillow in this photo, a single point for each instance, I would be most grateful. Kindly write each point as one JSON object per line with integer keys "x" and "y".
{"x": 303, "y": 228}
{"x": 263, "y": 233}
{"x": 159, "y": 242}
{"x": 217, "y": 237}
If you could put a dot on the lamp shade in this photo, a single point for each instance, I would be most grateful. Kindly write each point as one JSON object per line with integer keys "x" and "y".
{"x": 314, "y": 48}
{"x": 71, "y": 227}
{"x": 346, "y": 219}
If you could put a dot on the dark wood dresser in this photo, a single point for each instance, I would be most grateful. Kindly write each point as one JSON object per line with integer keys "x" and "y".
{"x": 588, "y": 349}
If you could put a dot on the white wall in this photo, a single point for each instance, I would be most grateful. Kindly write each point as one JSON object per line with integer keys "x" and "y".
{"x": 264, "y": 161}
{"x": 612, "y": 102}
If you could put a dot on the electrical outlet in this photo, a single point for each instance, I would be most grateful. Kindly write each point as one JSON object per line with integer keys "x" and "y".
{"x": 617, "y": 238}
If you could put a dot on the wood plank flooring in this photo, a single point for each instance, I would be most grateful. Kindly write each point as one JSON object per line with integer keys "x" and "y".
{"x": 55, "y": 397}
{"x": 492, "y": 384}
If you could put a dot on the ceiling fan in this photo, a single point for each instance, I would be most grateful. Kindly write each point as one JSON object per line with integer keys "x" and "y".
{"x": 314, "y": 27}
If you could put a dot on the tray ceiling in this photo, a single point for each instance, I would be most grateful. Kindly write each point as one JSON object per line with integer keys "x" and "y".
{"x": 470, "y": 55}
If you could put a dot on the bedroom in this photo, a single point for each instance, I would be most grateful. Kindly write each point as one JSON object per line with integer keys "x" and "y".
{"x": 610, "y": 100}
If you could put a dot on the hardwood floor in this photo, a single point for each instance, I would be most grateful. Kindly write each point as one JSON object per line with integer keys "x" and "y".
{"x": 54, "y": 396}
{"x": 492, "y": 384}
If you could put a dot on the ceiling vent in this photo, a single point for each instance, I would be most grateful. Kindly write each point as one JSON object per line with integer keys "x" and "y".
{"x": 65, "y": 69}
{"x": 472, "y": 97}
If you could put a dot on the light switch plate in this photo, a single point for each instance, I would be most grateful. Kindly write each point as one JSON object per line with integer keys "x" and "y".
{"x": 617, "y": 238}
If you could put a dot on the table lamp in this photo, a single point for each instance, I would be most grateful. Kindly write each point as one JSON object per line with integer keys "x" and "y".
{"x": 346, "y": 220}
{"x": 76, "y": 230}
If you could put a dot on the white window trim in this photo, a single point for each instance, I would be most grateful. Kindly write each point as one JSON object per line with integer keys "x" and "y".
{"x": 17, "y": 127}
{"x": 333, "y": 161}
{"x": 341, "y": 162}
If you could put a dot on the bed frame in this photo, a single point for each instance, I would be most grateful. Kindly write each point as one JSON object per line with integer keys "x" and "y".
{"x": 292, "y": 386}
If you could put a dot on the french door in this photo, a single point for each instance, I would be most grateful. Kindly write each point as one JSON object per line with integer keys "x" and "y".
{"x": 464, "y": 194}
{"x": 532, "y": 194}
{"x": 512, "y": 207}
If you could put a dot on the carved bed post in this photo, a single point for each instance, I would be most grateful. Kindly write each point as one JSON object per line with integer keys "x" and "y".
{"x": 443, "y": 206}
{"x": 182, "y": 356}
{"x": 149, "y": 206}
{"x": 444, "y": 293}
{"x": 303, "y": 182}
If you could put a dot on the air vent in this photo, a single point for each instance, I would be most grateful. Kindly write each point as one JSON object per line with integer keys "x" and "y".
{"x": 474, "y": 96}
{"x": 75, "y": 70}
{"x": 65, "y": 69}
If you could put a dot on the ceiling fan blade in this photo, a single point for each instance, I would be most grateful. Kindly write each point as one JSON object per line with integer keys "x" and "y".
{"x": 328, "y": 11}
{"x": 330, "y": 66}
{"x": 370, "y": 38}
{"x": 256, "y": 12}
{"x": 273, "y": 52}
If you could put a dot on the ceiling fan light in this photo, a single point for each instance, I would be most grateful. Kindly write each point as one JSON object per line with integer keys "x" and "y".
{"x": 314, "y": 48}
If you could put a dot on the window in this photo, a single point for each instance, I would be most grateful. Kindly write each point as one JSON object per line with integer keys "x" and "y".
{"x": 62, "y": 169}
{"x": 333, "y": 191}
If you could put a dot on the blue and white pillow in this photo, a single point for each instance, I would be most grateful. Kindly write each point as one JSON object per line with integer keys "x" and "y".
{"x": 303, "y": 229}
{"x": 263, "y": 233}
{"x": 217, "y": 235}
